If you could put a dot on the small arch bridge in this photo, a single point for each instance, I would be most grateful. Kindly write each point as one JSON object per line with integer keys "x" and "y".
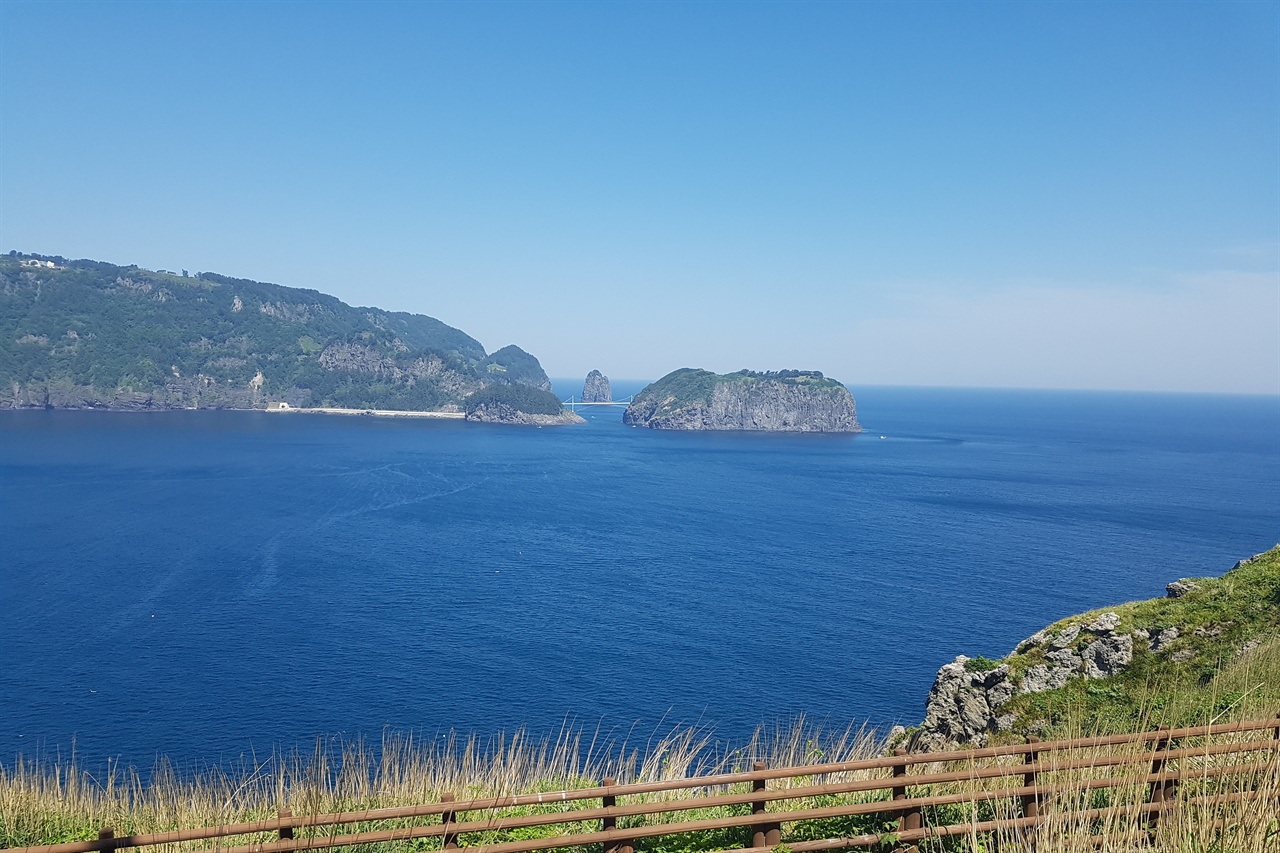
{"x": 573, "y": 403}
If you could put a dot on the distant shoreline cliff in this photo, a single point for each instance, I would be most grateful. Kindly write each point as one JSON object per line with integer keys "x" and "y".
{"x": 782, "y": 401}
{"x": 87, "y": 334}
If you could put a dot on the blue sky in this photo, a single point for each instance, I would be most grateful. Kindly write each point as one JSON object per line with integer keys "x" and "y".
{"x": 1074, "y": 195}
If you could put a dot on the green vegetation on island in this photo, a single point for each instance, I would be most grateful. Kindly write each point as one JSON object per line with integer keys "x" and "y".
{"x": 782, "y": 400}
{"x": 692, "y": 384}
{"x": 522, "y": 398}
{"x": 81, "y": 333}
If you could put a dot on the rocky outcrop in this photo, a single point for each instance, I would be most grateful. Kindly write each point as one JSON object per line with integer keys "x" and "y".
{"x": 596, "y": 388}
{"x": 1195, "y": 630}
{"x": 786, "y": 401}
{"x": 500, "y": 413}
{"x": 964, "y": 706}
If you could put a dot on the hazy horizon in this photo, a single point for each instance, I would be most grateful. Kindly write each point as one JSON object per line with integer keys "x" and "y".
{"x": 1004, "y": 195}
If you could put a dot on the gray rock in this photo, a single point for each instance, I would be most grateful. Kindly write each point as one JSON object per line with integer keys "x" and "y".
{"x": 959, "y": 709}
{"x": 1066, "y": 638}
{"x": 1104, "y": 624}
{"x": 999, "y": 694}
{"x": 994, "y": 677}
{"x": 1164, "y": 638}
{"x": 1037, "y": 639}
{"x": 1247, "y": 560}
{"x": 975, "y": 713}
{"x": 1107, "y": 656}
{"x": 596, "y": 389}
{"x": 1042, "y": 677}
{"x": 1063, "y": 658}
{"x": 1141, "y": 634}
{"x": 1182, "y": 655}
{"x": 1179, "y": 588}
{"x": 955, "y": 711}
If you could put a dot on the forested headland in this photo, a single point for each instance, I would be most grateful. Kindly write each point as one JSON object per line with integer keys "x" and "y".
{"x": 90, "y": 334}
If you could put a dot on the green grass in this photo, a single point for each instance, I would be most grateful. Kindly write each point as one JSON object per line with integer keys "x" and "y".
{"x": 1226, "y": 658}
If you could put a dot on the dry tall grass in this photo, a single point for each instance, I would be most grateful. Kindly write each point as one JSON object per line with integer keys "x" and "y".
{"x": 52, "y": 802}
{"x": 48, "y": 802}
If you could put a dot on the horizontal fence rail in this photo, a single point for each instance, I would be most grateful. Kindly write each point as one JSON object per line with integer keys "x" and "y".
{"x": 1164, "y": 772}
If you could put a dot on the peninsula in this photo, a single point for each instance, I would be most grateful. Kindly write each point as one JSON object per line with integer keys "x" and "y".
{"x": 781, "y": 401}
{"x": 83, "y": 334}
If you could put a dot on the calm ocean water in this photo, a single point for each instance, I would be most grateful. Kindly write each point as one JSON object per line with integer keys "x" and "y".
{"x": 200, "y": 584}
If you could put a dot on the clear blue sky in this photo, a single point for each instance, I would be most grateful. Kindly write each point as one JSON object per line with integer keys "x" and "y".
{"x": 1077, "y": 195}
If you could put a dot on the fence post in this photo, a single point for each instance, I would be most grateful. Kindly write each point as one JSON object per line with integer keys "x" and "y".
{"x": 1031, "y": 802}
{"x": 764, "y": 834}
{"x": 1157, "y": 790}
{"x": 286, "y": 830}
{"x": 911, "y": 818}
{"x": 106, "y": 834}
{"x": 450, "y": 840}
{"x": 610, "y": 822}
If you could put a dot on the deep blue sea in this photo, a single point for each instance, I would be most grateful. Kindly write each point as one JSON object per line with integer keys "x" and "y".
{"x": 200, "y": 584}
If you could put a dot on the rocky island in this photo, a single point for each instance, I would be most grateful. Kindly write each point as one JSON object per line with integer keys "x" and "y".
{"x": 781, "y": 401}
{"x": 596, "y": 389}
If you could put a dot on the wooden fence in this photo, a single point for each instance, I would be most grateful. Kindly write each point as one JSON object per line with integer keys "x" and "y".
{"x": 1145, "y": 775}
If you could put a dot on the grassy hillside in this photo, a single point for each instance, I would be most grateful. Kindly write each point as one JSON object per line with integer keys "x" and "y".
{"x": 1211, "y": 647}
{"x": 1225, "y": 656}
{"x": 76, "y": 333}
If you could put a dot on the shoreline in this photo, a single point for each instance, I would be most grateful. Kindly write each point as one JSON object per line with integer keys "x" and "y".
{"x": 379, "y": 413}
{"x": 321, "y": 410}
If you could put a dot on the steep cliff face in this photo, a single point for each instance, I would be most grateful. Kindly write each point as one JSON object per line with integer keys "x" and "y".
{"x": 191, "y": 392}
{"x": 787, "y": 401}
{"x": 596, "y": 389}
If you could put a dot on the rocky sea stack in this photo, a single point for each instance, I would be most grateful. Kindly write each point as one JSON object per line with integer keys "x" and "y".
{"x": 596, "y": 388}
{"x": 781, "y": 401}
